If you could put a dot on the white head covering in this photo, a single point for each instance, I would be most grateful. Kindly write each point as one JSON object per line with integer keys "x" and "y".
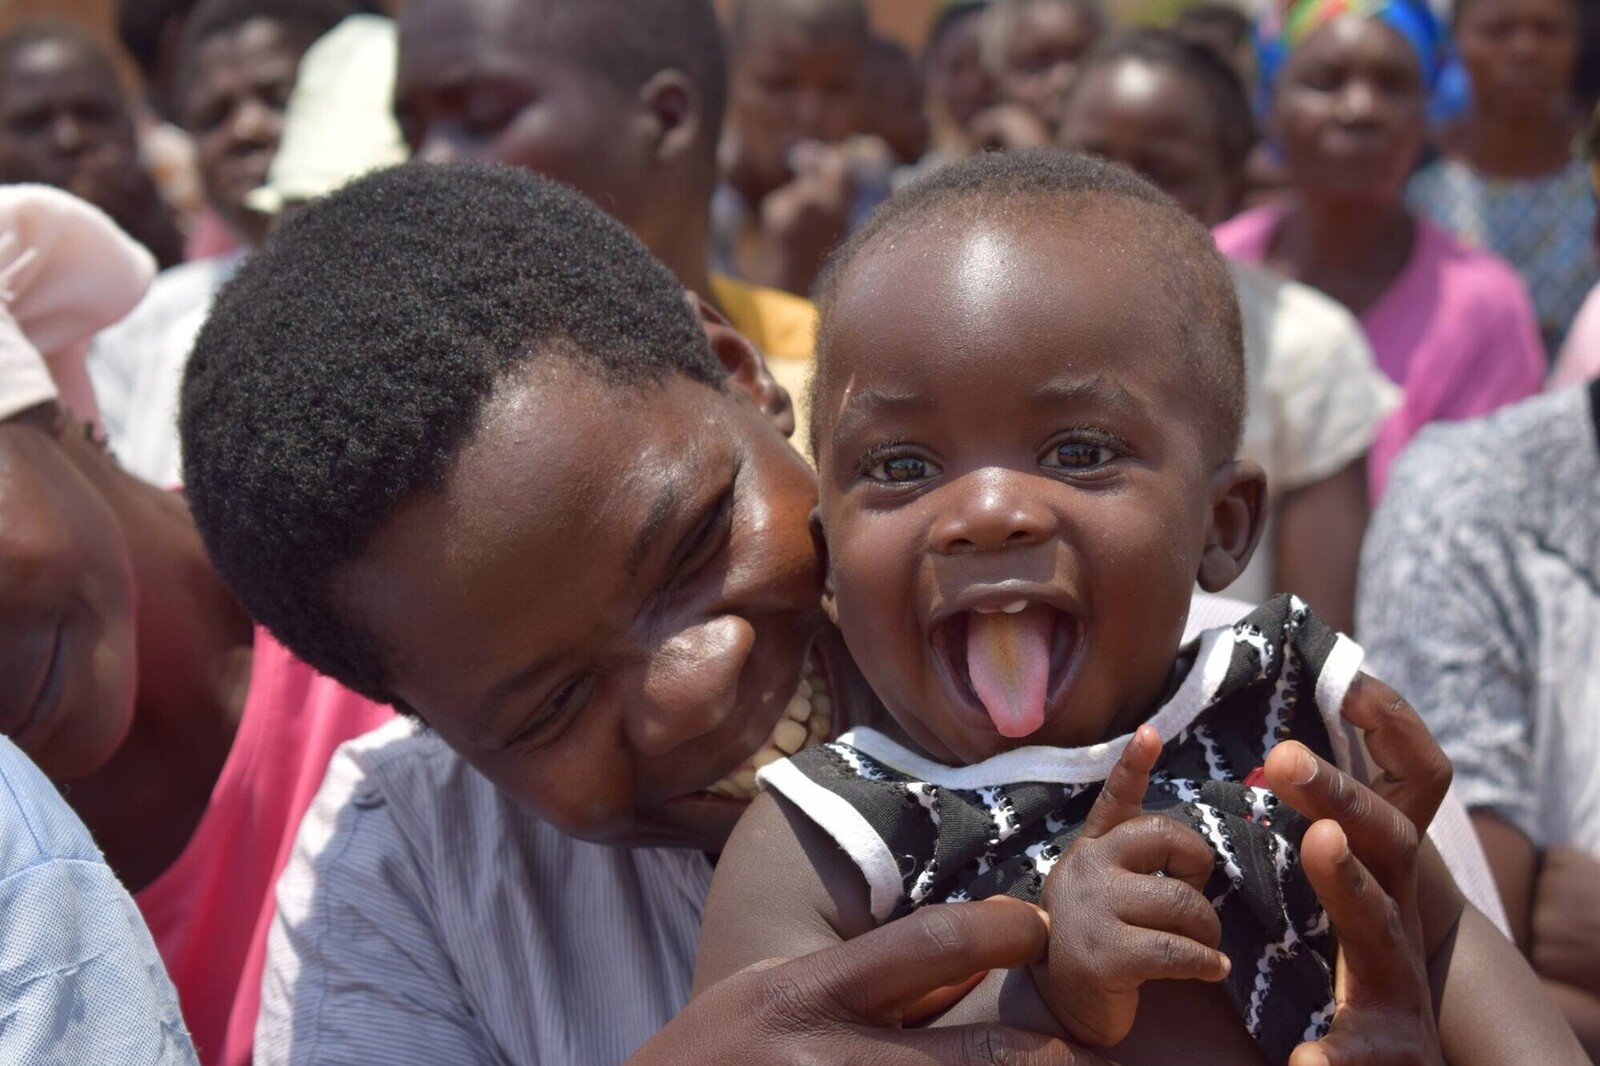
{"x": 66, "y": 273}
{"x": 339, "y": 123}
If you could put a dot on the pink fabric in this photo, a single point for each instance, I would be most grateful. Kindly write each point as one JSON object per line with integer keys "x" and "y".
{"x": 210, "y": 911}
{"x": 211, "y": 238}
{"x": 1580, "y": 352}
{"x": 1456, "y": 331}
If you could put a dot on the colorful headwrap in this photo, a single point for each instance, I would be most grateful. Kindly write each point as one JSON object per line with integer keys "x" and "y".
{"x": 1285, "y": 28}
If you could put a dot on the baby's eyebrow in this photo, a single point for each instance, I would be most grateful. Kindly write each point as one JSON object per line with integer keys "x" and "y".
{"x": 1097, "y": 389}
{"x": 869, "y": 404}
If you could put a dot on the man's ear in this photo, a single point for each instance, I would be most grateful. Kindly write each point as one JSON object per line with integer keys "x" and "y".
{"x": 830, "y": 602}
{"x": 1238, "y": 517}
{"x": 677, "y": 114}
{"x": 747, "y": 370}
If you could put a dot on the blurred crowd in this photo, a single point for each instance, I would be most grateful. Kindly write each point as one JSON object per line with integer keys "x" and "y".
{"x": 1405, "y": 191}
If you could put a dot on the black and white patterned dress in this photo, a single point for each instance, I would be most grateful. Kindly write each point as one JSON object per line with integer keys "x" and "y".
{"x": 922, "y": 832}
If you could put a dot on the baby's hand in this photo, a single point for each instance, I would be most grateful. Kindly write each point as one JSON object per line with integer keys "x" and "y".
{"x": 1126, "y": 906}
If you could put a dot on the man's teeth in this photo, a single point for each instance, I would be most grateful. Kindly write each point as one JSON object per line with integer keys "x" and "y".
{"x": 807, "y": 720}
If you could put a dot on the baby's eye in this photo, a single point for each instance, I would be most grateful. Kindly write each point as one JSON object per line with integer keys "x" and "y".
{"x": 902, "y": 468}
{"x": 1078, "y": 455}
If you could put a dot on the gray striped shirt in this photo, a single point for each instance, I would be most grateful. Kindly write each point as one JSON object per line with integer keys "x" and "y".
{"x": 426, "y": 918}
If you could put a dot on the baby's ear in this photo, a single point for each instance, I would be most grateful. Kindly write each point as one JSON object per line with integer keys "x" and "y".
{"x": 830, "y": 602}
{"x": 1238, "y": 517}
{"x": 747, "y": 370}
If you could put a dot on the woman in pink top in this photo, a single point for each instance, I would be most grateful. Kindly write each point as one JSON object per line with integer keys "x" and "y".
{"x": 187, "y": 740}
{"x": 1454, "y": 327}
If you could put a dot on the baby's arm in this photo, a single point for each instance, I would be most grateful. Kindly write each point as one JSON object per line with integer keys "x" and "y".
{"x": 782, "y": 889}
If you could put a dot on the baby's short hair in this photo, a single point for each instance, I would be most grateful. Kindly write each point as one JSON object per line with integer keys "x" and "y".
{"x": 1004, "y": 185}
{"x": 347, "y": 364}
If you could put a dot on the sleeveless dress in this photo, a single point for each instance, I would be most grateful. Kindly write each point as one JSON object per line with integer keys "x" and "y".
{"x": 922, "y": 832}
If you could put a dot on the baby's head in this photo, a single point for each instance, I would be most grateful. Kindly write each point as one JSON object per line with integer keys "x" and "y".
{"x": 1028, "y": 398}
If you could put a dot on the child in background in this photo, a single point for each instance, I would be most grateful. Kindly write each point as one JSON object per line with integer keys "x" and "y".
{"x": 1023, "y": 474}
{"x": 959, "y": 86}
{"x": 792, "y": 187}
{"x": 1031, "y": 49}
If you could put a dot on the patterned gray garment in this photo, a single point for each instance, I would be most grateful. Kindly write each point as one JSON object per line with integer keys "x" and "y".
{"x": 1480, "y": 602}
{"x": 922, "y": 832}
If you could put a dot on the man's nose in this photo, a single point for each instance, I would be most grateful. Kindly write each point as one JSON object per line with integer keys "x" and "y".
{"x": 691, "y": 685}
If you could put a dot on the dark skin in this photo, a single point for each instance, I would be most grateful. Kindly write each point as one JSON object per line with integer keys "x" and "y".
{"x": 236, "y": 90}
{"x": 796, "y": 93}
{"x": 954, "y": 507}
{"x": 477, "y": 80}
{"x": 1155, "y": 120}
{"x": 1520, "y": 56}
{"x": 1349, "y": 114}
{"x": 959, "y": 87}
{"x": 1549, "y": 899}
{"x": 64, "y": 122}
{"x": 1039, "y": 57}
{"x": 894, "y": 102}
{"x": 136, "y": 658}
{"x": 681, "y": 655}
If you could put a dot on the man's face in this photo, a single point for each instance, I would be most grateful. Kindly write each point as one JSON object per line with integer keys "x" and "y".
{"x": 612, "y": 604}
{"x": 62, "y": 115}
{"x": 476, "y": 81}
{"x": 1520, "y": 53}
{"x": 238, "y": 88}
{"x": 67, "y": 663}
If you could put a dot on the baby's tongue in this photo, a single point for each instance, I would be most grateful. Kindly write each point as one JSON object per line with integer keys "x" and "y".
{"x": 1008, "y": 658}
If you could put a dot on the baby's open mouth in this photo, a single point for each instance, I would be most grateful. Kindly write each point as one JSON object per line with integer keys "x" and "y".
{"x": 1009, "y": 661}
{"x": 807, "y": 720}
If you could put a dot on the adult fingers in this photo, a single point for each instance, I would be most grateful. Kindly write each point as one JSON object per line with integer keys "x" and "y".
{"x": 980, "y": 1045}
{"x": 1384, "y": 838}
{"x": 1122, "y": 796}
{"x": 1413, "y": 772}
{"x": 1171, "y": 906}
{"x": 875, "y": 976}
{"x": 1378, "y": 954}
{"x": 1153, "y": 842}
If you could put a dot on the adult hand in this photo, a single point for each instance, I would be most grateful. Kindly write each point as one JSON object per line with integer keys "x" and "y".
{"x": 847, "y": 1003}
{"x": 1362, "y": 856}
{"x": 1126, "y": 907}
{"x": 1566, "y": 919}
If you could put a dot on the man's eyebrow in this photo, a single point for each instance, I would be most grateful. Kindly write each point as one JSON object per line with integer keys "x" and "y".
{"x": 493, "y": 703}
{"x": 866, "y": 405}
{"x": 663, "y": 508}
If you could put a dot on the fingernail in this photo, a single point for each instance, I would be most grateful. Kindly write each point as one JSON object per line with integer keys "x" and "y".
{"x": 1227, "y": 965}
{"x": 1305, "y": 768}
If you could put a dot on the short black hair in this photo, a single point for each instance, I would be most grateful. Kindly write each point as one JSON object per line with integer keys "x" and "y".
{"x": 1223, "y": 91}
{"x": 950, "y": 17}
{"x": 1000, "y": 21}
{"x": 51, "y": 31}
{"x": 304, "y": 19}
{"x": 140, "y": 24}
{"x": 845, "y": 17}
{"x": 1002, "y": 185}
{"x": 347, "y": 364}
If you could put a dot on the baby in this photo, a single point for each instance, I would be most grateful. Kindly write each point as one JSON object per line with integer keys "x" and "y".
{"x": 1028, "y": 397}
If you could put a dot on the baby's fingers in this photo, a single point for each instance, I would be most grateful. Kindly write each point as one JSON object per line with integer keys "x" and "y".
{"x": 1122, "y": 796}
{"x": 1152, "y": 955}
{"x": 1168, "y": 905}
